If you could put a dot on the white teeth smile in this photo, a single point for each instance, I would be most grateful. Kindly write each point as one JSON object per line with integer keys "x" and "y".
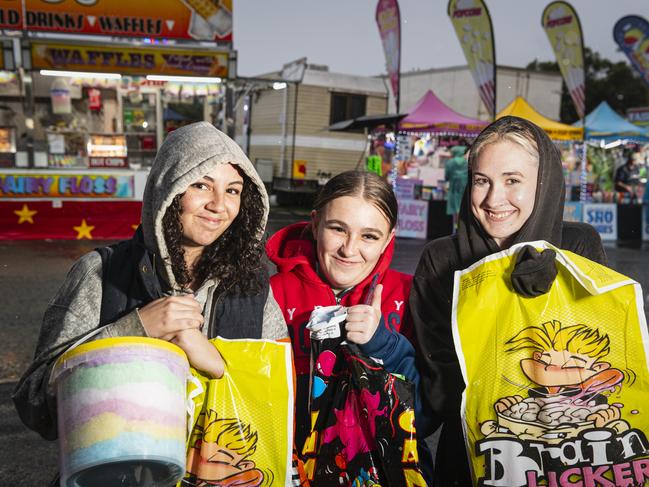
{"x": 500, "y": 215}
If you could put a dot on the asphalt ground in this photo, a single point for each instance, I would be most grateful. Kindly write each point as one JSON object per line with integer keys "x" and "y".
{"x": 30, "y": 273}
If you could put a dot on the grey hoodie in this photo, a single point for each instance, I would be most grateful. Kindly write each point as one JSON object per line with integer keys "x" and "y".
{"x": 186, "y": 156}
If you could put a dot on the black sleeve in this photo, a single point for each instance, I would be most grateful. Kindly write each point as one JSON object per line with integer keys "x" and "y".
{"x": 441, "y": 382}
{"x": 583, "y": 239}
{"x": 618, "y": 175}
{"x": 430, "y": 305}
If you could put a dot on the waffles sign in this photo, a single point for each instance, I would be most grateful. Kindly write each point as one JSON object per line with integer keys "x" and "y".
{"x": 129, "y": 60}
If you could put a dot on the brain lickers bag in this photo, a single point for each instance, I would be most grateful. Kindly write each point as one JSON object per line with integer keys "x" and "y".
{"x": 557, "y": 386}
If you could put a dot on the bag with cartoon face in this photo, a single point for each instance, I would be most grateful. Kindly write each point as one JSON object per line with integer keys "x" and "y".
{"x": 241, "y": 425}
{"x": 556, "y": 384}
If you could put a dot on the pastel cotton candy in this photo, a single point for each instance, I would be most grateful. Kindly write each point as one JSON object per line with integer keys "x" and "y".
{"x": 121, "y": 400}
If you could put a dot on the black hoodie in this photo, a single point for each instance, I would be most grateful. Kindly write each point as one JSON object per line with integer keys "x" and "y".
{"x": 432, "y": 294}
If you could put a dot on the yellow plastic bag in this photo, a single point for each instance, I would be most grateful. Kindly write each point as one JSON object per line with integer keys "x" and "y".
{"x": 557, "y": 386}
{"x": 241, "y": 426}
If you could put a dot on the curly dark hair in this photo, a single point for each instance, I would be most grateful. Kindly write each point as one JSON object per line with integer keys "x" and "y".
{"x": 235, "y": 257}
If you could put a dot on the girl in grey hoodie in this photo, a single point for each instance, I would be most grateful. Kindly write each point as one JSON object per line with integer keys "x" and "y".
{"x": 192, "y": 270}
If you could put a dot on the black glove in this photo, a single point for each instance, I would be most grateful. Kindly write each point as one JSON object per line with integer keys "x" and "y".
{"x": 534, "y": 271}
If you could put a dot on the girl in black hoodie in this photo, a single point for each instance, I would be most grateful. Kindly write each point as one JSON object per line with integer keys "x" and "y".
{"x": 515, "y": 194}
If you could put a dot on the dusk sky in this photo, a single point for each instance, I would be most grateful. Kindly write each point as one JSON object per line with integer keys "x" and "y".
{"x": 343, "y": 33}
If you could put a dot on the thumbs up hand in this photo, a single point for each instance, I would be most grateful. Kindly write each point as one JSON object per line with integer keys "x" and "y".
{"x": 363, "y": 319}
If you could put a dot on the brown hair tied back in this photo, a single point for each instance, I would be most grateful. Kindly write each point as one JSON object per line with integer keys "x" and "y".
{"x": 368, "y": 186}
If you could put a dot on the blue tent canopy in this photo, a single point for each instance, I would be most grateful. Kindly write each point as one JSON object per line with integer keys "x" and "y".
{"x": 170, "y": 114}
{"x": 604, "y": 123}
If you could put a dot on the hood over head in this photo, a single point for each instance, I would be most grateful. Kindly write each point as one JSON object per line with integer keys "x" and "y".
{"x": 546, "y": 220}
{"x": 186, "y": 155}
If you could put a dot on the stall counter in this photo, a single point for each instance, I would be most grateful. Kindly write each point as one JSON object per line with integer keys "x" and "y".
{"x": 629, "y": 222}
{"x": 70, "y": 203}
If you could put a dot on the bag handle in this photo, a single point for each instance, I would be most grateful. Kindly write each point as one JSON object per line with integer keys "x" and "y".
{"x": 80, "y": 341}
{"x": 87, "y": 337}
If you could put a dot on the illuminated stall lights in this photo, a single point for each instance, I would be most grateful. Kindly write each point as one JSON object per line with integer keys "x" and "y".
{"x": 183, "y": 79}
{"x": 441, "y": 133}
{"x": 106, "y": 147}
{"x": 79, "y": 74}
{"x": 7, "y": 77}
{"x": 613, "y": 144}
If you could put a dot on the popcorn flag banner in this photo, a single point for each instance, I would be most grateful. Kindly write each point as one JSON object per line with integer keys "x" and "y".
{"x": 472, "y": 24}
{"x": 388, "y": 20}
{"x": 632, "y": 35}
{"x": 556, "y": 385}
{"x": 562, "y": 26}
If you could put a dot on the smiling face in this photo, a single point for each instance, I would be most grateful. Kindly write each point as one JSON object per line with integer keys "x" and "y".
{"x": 208, "y": 208}
{"x": 503, "y": 189}
{"x": 351, "y": 234}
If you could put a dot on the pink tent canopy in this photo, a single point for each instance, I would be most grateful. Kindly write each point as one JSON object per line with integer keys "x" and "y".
{"x": 431, "y": 115}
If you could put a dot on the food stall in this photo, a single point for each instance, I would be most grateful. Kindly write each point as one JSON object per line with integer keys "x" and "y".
{"x": 7, "y": 146}
{"x": 140, "y": 109}
{"x": 9, "y": 118}
{"x": 409, "y": 149}
{"x": 607, "y": 134}
{"x": 424, "y": 134}
{"x": 83, "y": 112}
{"x": 70, "y": 204}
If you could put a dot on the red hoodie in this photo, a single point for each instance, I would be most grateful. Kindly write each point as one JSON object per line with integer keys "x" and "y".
{"x": 299, "y": 289}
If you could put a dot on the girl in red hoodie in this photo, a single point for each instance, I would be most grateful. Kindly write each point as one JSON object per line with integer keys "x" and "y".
{"x": 336, "y": 258}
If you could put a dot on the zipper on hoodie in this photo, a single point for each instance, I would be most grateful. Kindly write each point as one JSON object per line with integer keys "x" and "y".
{"x": 338, "y": 298}
{"x": 368, "y": 297}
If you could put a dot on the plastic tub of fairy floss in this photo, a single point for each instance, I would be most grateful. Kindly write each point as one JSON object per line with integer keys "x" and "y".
{"x": 121, "y": 412}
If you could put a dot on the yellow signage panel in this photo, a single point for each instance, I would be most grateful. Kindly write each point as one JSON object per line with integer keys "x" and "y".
{"x": 299, "y": 169}
{"x": 129, "y": 60}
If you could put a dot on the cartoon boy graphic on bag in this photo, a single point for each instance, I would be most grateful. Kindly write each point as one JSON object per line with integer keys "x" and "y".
{"x": 219, "y": 454}
{"x": 573, "y": 383}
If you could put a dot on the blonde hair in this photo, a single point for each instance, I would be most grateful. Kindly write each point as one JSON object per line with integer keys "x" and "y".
{"x": 510, "y": 130}
{"x": 551, "y": 336}
{"x": 230, "y": 433}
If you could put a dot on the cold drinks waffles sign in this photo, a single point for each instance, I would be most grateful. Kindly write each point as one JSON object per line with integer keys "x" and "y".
{"x": 205, "y": 20}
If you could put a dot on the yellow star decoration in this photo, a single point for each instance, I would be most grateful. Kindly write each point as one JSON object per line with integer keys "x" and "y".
{"x": 25, "y": 215}
{"x": 134, "y": 227}
{"x": 83, "y": 230}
